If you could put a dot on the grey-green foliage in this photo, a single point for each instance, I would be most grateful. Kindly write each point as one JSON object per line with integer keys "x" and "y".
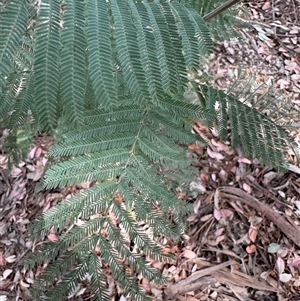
{"x": 108, "y": 78}
{"x": 224, "y": 25}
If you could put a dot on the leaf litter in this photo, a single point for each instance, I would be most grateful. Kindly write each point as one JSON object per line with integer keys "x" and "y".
{"x": 243, "y": 241}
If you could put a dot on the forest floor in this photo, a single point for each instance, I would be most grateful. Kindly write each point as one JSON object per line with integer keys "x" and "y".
{"x": 243, "y": 242}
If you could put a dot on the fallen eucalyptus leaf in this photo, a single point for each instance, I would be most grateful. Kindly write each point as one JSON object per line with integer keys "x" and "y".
{"x": 6, "y": 273}
{"x": 273, "y": 248}
{"x": 285, "y": 277}
{"x": 11, "y": 258}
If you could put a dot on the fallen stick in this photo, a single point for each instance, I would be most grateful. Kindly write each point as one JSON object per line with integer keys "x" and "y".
{"x": 291, "y": 231}
{"x": 188, "y": 284}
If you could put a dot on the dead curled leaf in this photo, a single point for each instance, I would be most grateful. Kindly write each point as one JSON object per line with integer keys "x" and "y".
{"x": 222, "y": 213}
{"x": 219, "y": 232}
{"x": 266, "y": 5}
{"x": 11, "y": 258}
{"x": 197, "y": 186}
{"x": 280, "y": 265}
{"x": 52, "y": 236}
{"x": 285, "y": 277}
{"x": 39, "y": 171}
{"x": 294, "y": 262}
{"x": 251, "y": 249}
{"x": 6, "y": 273}
{"x": 252, "y": 233}
{"x": 247, "y": 188}
{"x": 189, "y": 254}
{"x": 214, "y": 155}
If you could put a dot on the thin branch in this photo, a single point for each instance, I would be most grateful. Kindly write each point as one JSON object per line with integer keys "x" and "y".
{"x": 220, "y": 9}
{"x": 290, "y": 230}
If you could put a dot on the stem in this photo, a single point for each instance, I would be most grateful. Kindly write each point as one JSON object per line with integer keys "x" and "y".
{"x": 220, "y": 9}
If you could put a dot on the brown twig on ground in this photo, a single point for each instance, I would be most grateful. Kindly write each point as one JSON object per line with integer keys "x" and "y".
{"x": 240, "y": 279}
{"x": 220, "y": 9}
{"x": 239, "y": 195}
{"x": 190, "y": 284}
{"x": 209, "y": 276}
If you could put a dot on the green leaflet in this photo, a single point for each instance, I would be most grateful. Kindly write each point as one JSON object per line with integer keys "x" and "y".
{"x": 46, "y": 72}
{"x": 13, "y": 25}
{"x": 73, "y": 63}
{"x": 109, "y": 79}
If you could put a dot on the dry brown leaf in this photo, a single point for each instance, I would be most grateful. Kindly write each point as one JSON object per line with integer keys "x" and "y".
{"x": 285, "y": 277}
{"x": 266, "y": 5}
{"x": 205, "y": 217}
{"x": 251, "y": 249}
{"x": 280, "y": 265}
{"x": 6, "y": 273}
{"x": 39, "y": 171}
{"x": 189, "y": 254}
{"x": 146, "y": 285}
{"x": 291, "y": 66}
{"x": 219, "y": 232}
{"x": 252, "y": 233}
{"x": 247, "y": 188}
{"x": 11, "y": 258}
{"x": 222, "y": 213}
{"x": 214, "y": 155}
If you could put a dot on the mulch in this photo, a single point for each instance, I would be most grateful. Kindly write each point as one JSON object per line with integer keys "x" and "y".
{"x": 243, "y": 238}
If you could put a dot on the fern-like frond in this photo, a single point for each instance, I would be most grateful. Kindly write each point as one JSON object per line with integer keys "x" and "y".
{"x": 190, "y": 49}
{"x": 181, "y": 108}
{"x": 13, "y": 23}
{"x": 22, "y": 104}
{"x": 108, "y": 127}
{"x": 24, "y": 58}
{"x": 130, "y": 58}
{"x": 171, "y": 127}
{"x": 70, "y": 209}
{"x": 161, "y": 155}
{"x": 46, "y": 73}
{"x": 98, "y": 280}
{"x": 147, "y": 49}
{"x": 137, "y": 261}
{"x": 118, "y": 268}
{"x": 121, "y": 112}
{"x": 9, "y": 95}
{"x": 149, "y": 188}
{"x": 117, "y": 74}
{"x": 67, "y": 282}
{"x": 145, "y": 212}
{"x": 165, "y": 53}
{"x": 258, "y": 136}
{"x": 224, "y": 25}
{"x": 100, "y": 54}
{"x": 73, "y": 62}
{"x": 191, "y": 25}
{"x": 92, "y": 145}
{"x": 94, "y": 174}
{"x": 128, "y": 187}
{"x": 86, "y": 168}
{"x": 155, "y": 135}
{"x": 141, "y": 240}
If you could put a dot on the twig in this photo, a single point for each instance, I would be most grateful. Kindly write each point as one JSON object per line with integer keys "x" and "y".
{"x": 237, "y": 194}
{"x": 220, "y": 9}
{"x": 295, "y": 11}
{"x": 199, "y": 285}
{"x": 188, "y": 284}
